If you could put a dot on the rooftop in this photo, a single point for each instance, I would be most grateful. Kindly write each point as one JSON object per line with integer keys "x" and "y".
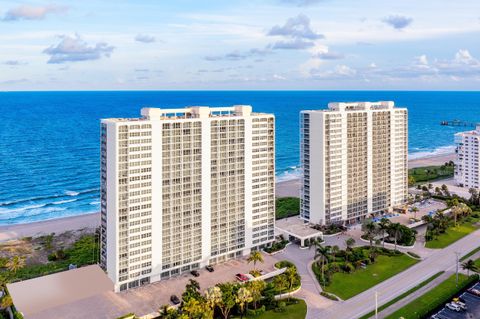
{"x": 150, "y": 113}
{"x": 296, "y": 227}
{"x": 33, "y": 296}
{"x": 357, "y": 106}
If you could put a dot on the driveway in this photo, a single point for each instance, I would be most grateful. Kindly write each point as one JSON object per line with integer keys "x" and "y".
{"x": 310, "y": 290}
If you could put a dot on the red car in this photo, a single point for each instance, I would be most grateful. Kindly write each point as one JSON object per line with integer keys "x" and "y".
{"x": 241, "y": 277}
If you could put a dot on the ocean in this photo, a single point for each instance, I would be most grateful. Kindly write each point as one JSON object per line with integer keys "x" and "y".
{"x": 49, "y": 141}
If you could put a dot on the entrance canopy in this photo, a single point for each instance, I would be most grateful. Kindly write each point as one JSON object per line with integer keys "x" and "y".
{"x": 296, "y": 228}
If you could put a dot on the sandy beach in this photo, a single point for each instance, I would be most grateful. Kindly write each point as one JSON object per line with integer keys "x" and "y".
{"x": 283, "y": 189}
{"x": 57, "y": 226}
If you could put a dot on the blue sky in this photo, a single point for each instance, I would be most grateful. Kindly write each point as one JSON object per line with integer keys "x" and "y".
{"x": 271, "y": 44}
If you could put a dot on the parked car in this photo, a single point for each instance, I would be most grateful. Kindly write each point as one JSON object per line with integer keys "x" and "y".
{"x": 241, "y": 277}
{"x": 453, "y": 307}
{"x": 459, "y": 303}
{"x": 474, "y": 291}
{"x": 195, "y": 273}
{"x": 174, "y": 299}
{"x": 210, "y": 268}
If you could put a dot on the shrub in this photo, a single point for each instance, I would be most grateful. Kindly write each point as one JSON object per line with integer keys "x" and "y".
{"x": 413, "y": 254}
{"x": 287, "y": 206}
{"x": 256, "y": 312}
{"x": 276, "y": 246}
{"x": 329, "y": 296}
{"x": 281, "y": 307}
{"x": 284, "y": 263}
{"x": 348, "y": 268}
{"x": 255, "y": 273}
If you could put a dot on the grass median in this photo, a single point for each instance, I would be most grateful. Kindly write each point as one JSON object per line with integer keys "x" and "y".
{"x": 434, "y": 298}
{"x": 405, "y": 294}
{"x": 346, "y": 285}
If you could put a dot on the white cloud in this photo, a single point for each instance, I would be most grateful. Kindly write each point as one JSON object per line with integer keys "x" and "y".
{"x": 422, "y": 59}
{"x": 27, "y": 12}
{"x": 75, "y": 49}
{"x": 144, "y": 38}
{"x": 397, "y": 21}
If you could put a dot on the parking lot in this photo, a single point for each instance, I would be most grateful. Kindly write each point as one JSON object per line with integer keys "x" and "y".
{"x": 150, "y": 298}
{"x": 473, "y": 308}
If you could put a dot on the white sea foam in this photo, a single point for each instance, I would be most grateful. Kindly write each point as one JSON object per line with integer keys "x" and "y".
{"x": 95, "y": 203}
{"x": 64, "y": 201}
{"x": 71, "y": 193}
{"x": 443, "y": 150}
{"x": 294, "y": 172}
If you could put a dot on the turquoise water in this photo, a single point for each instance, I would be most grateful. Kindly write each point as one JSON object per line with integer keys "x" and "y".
{"x": 49, "y": 141}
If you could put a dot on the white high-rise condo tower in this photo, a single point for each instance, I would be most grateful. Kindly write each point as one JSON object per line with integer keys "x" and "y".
{"x": 467, "y": 161}
{"x": 354, "y": 159}
{"x": 184, "y": 188}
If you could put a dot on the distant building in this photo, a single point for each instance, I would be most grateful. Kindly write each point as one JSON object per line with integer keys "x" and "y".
{"x": 184, "y": 188}
{"x": 467, "y": 163}
{"x": 354, "y": 159}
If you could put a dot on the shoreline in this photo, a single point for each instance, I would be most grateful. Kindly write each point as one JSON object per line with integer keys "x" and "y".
{"x": 289, "y": 188}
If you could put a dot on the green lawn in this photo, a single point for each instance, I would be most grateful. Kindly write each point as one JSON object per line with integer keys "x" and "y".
{"x": 296, "y": 311}
{"x": 286, "y": 207}
{"x": 451, "y": 235}
{"x": 420, "y": 307}
{"x": 348, "y": 285}
{"x": 430, "y": 173}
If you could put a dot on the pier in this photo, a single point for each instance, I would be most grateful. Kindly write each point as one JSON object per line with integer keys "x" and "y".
{"x": 458, "y": 123}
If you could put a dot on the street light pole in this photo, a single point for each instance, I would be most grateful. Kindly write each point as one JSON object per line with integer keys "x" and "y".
{"x": 376, "y": 304}
{"x": 457, "y": 254}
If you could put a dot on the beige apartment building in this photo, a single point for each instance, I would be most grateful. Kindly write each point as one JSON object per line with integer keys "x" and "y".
{"x": 184, "y": 188}
{"x": 354, "y": 160}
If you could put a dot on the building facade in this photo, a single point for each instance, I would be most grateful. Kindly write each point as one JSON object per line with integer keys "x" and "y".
{"x": 354, "y": 160}
{"x": 184, "y": 188}
{"x": 467, "y": 159}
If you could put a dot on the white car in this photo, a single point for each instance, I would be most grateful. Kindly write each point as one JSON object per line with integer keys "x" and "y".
{"x": 460, "y": 304}
{"x": 453, "y": 307}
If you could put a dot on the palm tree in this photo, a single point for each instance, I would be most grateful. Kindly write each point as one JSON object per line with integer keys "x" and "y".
{"x": 244, "y": 296}
{"x": 321, "y": 255}
{"x": 415, "y": 210}
{"x": 291, "y": 276}
{"x": 255, "y": 256}
{"x": 370, "y": 229}
{"x": 384, "y": 224}
{"x": 350, "y": 242}
{"x": 213, "y": 296}
{"x": 15, "y": 263}
{"x": 469, "y": 265}
{"x": 395, "y": 227}
{"x": 6, "y": 302}
{"x": 334, "y": 251}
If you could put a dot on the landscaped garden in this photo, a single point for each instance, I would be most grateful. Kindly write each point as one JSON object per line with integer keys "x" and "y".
{"x": 286, "y": 207}
{"x": 277, "y": 245}
{"x": 346, "y": 273}
{"x": 388, "y": 232}
{"x": 430, "y": 173}
{"x": 443, "y": 230}
{"x": 330, "y": 229}
{"x": 420, "y": 307}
